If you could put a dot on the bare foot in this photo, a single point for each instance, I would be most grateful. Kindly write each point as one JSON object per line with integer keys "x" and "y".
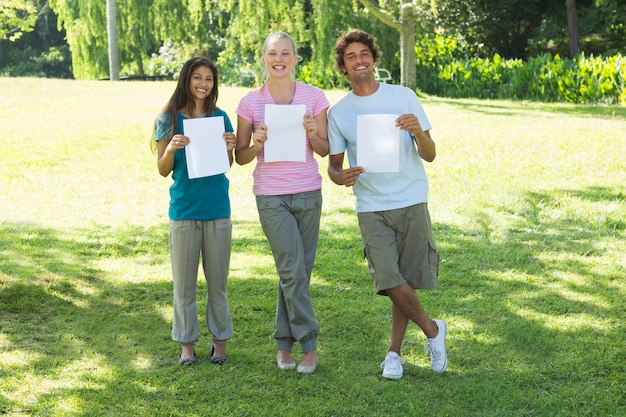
{"x": 187, "y": 351}
{"x": 219, "y": 349}
{"x": 310, "y": 358}
{"x": 284, "y": 356}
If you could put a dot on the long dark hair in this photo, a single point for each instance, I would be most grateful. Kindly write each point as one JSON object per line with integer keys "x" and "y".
{"x": 182, "y": 98}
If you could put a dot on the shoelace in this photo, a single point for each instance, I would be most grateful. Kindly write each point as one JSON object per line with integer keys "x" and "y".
{"x": 393, "y": 363}
{"x": 428, "y": 350}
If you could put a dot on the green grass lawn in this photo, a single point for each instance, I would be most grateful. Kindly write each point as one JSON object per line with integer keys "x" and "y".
{"x": 528, "y": 204}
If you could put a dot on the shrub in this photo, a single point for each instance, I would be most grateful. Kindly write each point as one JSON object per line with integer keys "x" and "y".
{"x": 585, "y": 79}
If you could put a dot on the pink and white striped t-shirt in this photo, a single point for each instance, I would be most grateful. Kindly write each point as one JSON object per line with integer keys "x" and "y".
{"x": 279, "y": 178}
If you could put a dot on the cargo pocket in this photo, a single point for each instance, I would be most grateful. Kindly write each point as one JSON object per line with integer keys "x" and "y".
{"x": 312, "y": 203}
{"x": 268, "y": 214}
{"x": 433, "y": 256}
{"x": 267, "y": 202}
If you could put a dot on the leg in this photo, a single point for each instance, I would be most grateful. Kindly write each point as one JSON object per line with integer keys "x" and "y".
{"x": 295, "y": 317}
{"x": 216, "y": 249}
{"x": 399, "y": 323}
{"x": 308, "y": 218}
{"x": 405, "y": 300}
{"x": 184, "y": 255}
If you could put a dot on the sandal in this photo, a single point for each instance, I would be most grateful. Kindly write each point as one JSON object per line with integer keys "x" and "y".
{"x": 188, "y": 361}
{"x": 217, "y": 359}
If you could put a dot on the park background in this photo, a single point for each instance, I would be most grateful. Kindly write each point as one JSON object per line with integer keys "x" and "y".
{"x": 541, "y": 50}
{"x": 528, "y": 206}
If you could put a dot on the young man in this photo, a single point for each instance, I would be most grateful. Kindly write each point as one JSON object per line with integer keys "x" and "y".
{"x": 391, "y": 206}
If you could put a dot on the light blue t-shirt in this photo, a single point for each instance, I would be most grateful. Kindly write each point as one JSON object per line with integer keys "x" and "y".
{"x": 381, "y": 191}
{"x": 200, "y": 199}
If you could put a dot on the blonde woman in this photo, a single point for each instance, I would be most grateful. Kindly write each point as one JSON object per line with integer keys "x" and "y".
{"x": 288, "y": 195}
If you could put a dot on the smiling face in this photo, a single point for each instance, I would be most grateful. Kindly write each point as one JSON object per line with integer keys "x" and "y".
{"x": 279, "y": 56}
{"x": 358, "y": 62}
{"x": 201, "y": 83}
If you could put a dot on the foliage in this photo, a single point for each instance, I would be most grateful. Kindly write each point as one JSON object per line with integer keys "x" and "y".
{"x": 85, "y": 25}
{"x": 532, "y": 284}
{"x": 231, "y": 32}
{"x": 169, "y": 60}
{"x": 314, "y": 25}
{"x": 143, "y": 27}
{"x": 16, "y": 18}
{"x": 251, "y": 23}
{"x": 523, "y": 28}
{"x": 504, "y": 29}
{"x": 41, "y": 52}
{"x": 585, "y": 79}
{"x": 53, "y": 63}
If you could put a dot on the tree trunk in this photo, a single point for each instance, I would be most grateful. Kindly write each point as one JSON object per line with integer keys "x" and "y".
{"x": 140, "y": 70}
{"x": 406, "y": 28}
{"x": 572, "y": 24}
{"x": 114, "y": 56}
{"x": 407, "y": 48}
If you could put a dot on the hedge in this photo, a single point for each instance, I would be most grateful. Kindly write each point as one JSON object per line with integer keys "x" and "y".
{"x": 585, "y": 79}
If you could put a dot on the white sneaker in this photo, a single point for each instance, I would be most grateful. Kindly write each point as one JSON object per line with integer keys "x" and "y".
{"x": 437, "y": 349}
{"x": 392, "y": 366}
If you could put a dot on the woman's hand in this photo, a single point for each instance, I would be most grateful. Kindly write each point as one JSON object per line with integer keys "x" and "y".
{"x": 310, "y": 125}
{"x": 177, "y": 142}
{"x": 231, "y": 141}
{"x": 259, "y": 137}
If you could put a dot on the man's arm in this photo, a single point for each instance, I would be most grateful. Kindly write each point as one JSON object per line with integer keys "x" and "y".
{"x": 341, "y": 176}
{"x": 425, "y": 145}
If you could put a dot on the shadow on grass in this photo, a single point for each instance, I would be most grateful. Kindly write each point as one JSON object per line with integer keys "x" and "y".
{"x": 539, "y": 304}
{"x": 526, "y": 312}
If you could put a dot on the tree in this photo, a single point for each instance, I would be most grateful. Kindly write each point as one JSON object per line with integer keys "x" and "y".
{"x": 572, "y": 24}
{"x": 17, "y": 17}
{"x": 405, "y": 25}
{"x": 252, "y": 22}
{"x": 114, "y": 58}
{"x": 505, "y": 28}
{"x": 138, "y": 28}
{"x": 85, "y": 27}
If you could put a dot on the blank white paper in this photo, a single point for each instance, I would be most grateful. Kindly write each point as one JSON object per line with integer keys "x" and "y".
{"x": 286, "y": 137}
{"x": 206, "y": 153}
{"x": 378, "y": 143}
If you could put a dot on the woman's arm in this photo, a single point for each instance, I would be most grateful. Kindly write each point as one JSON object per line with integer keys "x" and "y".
{"x": 244, "y": 153}
{"x": 317, "y": 132}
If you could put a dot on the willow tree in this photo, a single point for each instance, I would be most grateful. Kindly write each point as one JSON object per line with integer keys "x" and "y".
{"x": 143, "y": 25}
{"x": 402, "y": 16}
{"x": 252, "y": 21}
{"x": 327, "y": 21}
{"x": 314, "y": 24}
{"x": 86, "y": 34}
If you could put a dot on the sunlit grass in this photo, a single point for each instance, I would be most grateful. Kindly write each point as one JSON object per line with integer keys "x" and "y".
{"x": 528, "y": 207}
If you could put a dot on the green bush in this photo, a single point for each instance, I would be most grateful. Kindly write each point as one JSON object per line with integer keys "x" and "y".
{"x": 52, "y": 63}
{"x": 168, "y": 62}
{"x": 585, "y": 79}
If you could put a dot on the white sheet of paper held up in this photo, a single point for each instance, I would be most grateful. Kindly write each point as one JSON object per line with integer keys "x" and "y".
{"x": 286, "y": 137}
{"x": 206, "y": 153}
{"x": 378, "y": 143}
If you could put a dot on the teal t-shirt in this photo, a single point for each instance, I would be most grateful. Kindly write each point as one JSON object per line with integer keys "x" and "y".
{"x": 200, "y": 199}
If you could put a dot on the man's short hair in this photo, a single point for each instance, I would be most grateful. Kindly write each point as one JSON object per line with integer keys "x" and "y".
{"x": 354, "y": 35}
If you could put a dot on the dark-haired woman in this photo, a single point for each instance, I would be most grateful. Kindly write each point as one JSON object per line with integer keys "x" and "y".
{"x": 199, "y": 212}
